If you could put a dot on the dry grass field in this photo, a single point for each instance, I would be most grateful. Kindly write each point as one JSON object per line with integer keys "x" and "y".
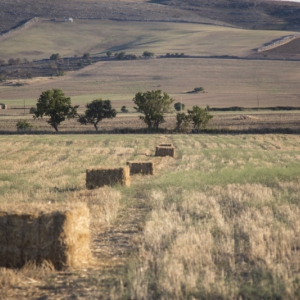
{"x": 226, "y": 82}
{"x": 220, "y": 221}
{"x": 47, "y": 37}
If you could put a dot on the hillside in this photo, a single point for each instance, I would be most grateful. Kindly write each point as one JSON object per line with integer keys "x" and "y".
{"x": 237, "y": 13}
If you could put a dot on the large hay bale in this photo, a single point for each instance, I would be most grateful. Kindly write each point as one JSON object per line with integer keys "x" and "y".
{"x": 59, "y": 234}
{"x": 143, "y": 168}
{"x": 107, "y": 176}
{"x": 165, "y": 151}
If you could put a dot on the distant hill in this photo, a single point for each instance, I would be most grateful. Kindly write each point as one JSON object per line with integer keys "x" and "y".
{"x": 238, "y": 13}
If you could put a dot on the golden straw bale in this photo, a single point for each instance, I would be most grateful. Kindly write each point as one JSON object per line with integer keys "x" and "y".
{"x": 59, "y": 234}
{"x": 107, "y": 176}
{"x": 165, "y": 151}
{"x": 144, "y": 168}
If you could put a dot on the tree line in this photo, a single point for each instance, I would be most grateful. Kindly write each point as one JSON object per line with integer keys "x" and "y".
{"x": 153, "y": 105}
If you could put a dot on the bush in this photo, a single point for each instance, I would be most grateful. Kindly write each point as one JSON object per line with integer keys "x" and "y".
{"x": 148, "y": 54}
{"x": 179, "y": 106}
{"x": 109, "y": 53}
{"x": 23, "y": 125}
{"x": 86, "y": 55}
{"x": 55, "y": 56}
{"x": 124, "y": 109}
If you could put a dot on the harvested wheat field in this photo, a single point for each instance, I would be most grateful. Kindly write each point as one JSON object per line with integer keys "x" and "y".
{"x": 218, "y": 221}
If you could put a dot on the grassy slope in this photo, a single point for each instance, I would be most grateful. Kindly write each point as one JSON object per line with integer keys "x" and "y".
{"x": 98, "y": 36}
{"x": 224, "y": 219}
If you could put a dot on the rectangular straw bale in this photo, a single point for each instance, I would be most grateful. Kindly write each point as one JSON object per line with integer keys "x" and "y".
{"x": 144, "y": 168}
{"x": 107, "y": 176}
{"x": 165, "y": 151}
{"x": 59, "y": 234}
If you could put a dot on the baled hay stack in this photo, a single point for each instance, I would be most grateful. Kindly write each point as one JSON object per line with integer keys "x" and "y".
{"x": 165, "y": 151}
{"x": 106, "y": 176}
{"x": 143, "y": 168}
{"x": 56, "y": 233}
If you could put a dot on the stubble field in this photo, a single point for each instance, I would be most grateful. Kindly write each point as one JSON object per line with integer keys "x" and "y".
{"x": 218, "y": 221}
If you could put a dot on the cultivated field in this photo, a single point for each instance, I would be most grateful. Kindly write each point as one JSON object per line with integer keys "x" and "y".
{"x": 46, "y": 37}
{"x": 226, "y": 82}
{"x": 218, "y": 221}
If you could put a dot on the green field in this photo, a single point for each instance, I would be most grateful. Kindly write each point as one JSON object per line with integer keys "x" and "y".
{"x": 224, "y": 218}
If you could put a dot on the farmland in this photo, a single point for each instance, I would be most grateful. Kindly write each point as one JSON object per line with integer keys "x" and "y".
{"x": 218, "y": 221}
{"x": 234, "y": 199}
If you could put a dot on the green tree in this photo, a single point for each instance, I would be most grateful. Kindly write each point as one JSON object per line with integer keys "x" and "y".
{"x": 96, "y": 111}
{"x": 182, "y": 121}
{"x": 54, "y": 104}
{"x": 199, "y": 116}
{"x": 153, "y": 104}
{"x": 179, "y": 106}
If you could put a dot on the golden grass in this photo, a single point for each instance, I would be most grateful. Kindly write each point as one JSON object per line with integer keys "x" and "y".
{"x": 224, "y": 214}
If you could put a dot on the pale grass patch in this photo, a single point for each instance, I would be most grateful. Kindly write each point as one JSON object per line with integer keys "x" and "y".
{"x": 209, "y": 241}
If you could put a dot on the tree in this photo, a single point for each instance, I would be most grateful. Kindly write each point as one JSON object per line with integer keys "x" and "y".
{"x": 199, "y": 116}
{"x": 179, "y": 106}
{"x": 153, "y": 105}
{"x": 56, "y": 106}
{"x": 183, "y": 121}
{"x": 148, "y": 54}
{"x": 96, "y": 111}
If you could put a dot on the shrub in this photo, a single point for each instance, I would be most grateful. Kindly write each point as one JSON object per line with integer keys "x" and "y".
{"x": 86, "y": 55}
{"x": 124, "y": 109}
{"x": 23, "y": 125}
{"x": 179, "y": 106}
{"x": 109, "y": 53}
{"x": 148, "y": 54}
{"x": 55, "y": 56}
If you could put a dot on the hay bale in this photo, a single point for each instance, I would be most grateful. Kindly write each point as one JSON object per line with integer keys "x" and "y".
{"x": 165, "y": 151}
{"x": 107, "y": 176}
{"x": 59, "y": 234}
{"x": 143, "y": 168}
